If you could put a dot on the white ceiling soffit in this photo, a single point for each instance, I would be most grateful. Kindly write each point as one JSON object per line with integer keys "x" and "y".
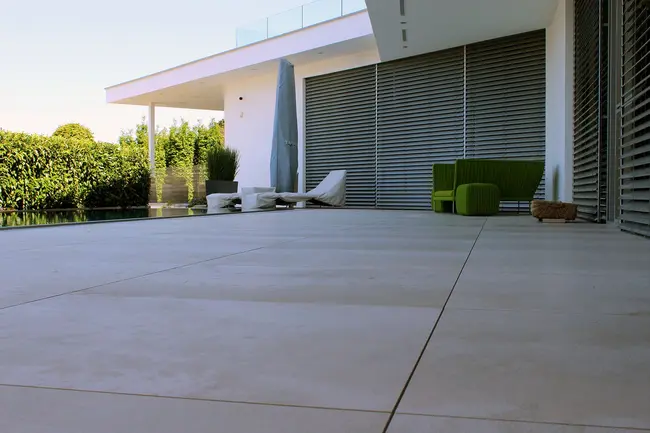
{"x": 406, "y": 28}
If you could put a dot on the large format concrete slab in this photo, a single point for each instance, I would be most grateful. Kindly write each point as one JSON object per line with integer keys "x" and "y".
{"x": 547, "y": 324}
{"x": 536, "y": 366}
{"x": 346, "y": 284}
{"x": 568, "y": 268}
{"x": 434, "y": 424}
{"x": 348, "y": 357}
{"x": 31, "y": 410}
{"x": 313, "y": 320}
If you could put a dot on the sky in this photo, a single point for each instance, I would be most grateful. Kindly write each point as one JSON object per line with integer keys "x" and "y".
{"x": 58, "y": 56}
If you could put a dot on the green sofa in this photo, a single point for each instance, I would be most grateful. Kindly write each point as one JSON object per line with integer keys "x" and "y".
{"x": 516, "y": 180}
{"x": 442, "y": 194}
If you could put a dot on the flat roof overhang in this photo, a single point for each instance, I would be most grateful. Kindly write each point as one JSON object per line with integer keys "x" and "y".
{"x": 405, "y": 28}
{"x": 201, "y": 84}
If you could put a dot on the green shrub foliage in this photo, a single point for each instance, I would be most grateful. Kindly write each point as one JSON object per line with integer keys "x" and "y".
{"x": 69, "y": 169}
{"x": 207, "y": 137}
{"x": 223, "y": 163}
{"x": 39, "y": 172}
{"x": 179, "y": 145}
{"x": 180, "y": 149}
{"x": 74, "y": 130}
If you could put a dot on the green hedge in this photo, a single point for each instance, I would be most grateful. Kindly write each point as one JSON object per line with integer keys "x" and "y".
{"x": 39, "y": 172}
{"x": 74, "y": 130}
{"x": 181, "y": 149}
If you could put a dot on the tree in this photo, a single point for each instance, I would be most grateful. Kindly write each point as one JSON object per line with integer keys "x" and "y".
{"x": 142, "y": 133}
{"x": 75, "y": 131}
{"x": 180, "y": 150}
{"x": 138, "y": 138}
{"x": 206, "y": 138}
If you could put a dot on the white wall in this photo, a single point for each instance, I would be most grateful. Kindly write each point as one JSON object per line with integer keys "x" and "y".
{"x": 249, "y": 126}
{"x": 249, "y": 122}
{"x": 559, "y": 100}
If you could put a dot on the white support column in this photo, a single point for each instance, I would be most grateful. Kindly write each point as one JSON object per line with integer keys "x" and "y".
{"x": 151, "y": 127}
{"x": 559, "y": 101}
{"x": 302, "y": 157}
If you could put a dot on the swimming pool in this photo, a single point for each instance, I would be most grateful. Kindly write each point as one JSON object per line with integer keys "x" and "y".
{"x": 24, "y": 219}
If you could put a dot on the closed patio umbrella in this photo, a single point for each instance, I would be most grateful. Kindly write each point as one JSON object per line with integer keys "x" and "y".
{"x": 284, "y": 152}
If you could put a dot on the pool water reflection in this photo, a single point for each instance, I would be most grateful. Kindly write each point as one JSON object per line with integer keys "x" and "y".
{"x": 21, "y": 219}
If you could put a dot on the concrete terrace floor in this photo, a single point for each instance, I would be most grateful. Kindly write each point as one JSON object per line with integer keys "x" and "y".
{"x": 318, "y": 321}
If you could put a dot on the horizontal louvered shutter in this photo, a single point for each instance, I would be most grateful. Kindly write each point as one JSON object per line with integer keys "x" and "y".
{"x": 340, "y": 132}
{"x": 419, "y": 122}
{"x": 506, "y": 99}
{"x": 589, "y": 148}
{"x": 635, "y": 118}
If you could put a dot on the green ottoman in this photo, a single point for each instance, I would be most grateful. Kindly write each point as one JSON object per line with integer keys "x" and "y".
{"x": 474, "y": 199}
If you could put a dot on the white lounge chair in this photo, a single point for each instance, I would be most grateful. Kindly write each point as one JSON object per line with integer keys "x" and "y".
{"x": 330, "y": 192}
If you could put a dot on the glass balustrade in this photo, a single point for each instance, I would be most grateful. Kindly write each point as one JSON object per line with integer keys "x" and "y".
{"x": 295, "y": 19}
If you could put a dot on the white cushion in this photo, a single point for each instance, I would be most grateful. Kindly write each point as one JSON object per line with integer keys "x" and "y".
{"x": 220, "y": 201}
{"x": 245, "y": 190}
{"x": 257, "y": 202}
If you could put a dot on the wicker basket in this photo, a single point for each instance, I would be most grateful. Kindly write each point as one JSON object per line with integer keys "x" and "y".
{"x": 554, "y": 210}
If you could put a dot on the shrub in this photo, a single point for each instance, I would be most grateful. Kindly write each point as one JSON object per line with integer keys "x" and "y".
{"x": 39, "y": 172}
{"x": 181, "y": 150}
{"x": 121, "y": 178}
{"x": 207, "y": 137}
{"x": 223, "y": 163}
{"x": 75, "y": 131}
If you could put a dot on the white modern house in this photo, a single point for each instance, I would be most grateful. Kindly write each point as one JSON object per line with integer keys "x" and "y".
{"x": 386, "y": 88}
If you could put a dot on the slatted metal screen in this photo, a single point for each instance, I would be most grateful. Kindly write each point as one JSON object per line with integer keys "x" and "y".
{"x": 506, "y": 99}
{"x": 590, "y": 110}
{"x": 635, "y": 117}
{"x": 419, "y": 122}
{"x": 340, "y": 131}
{"x": 388, "y": 123}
